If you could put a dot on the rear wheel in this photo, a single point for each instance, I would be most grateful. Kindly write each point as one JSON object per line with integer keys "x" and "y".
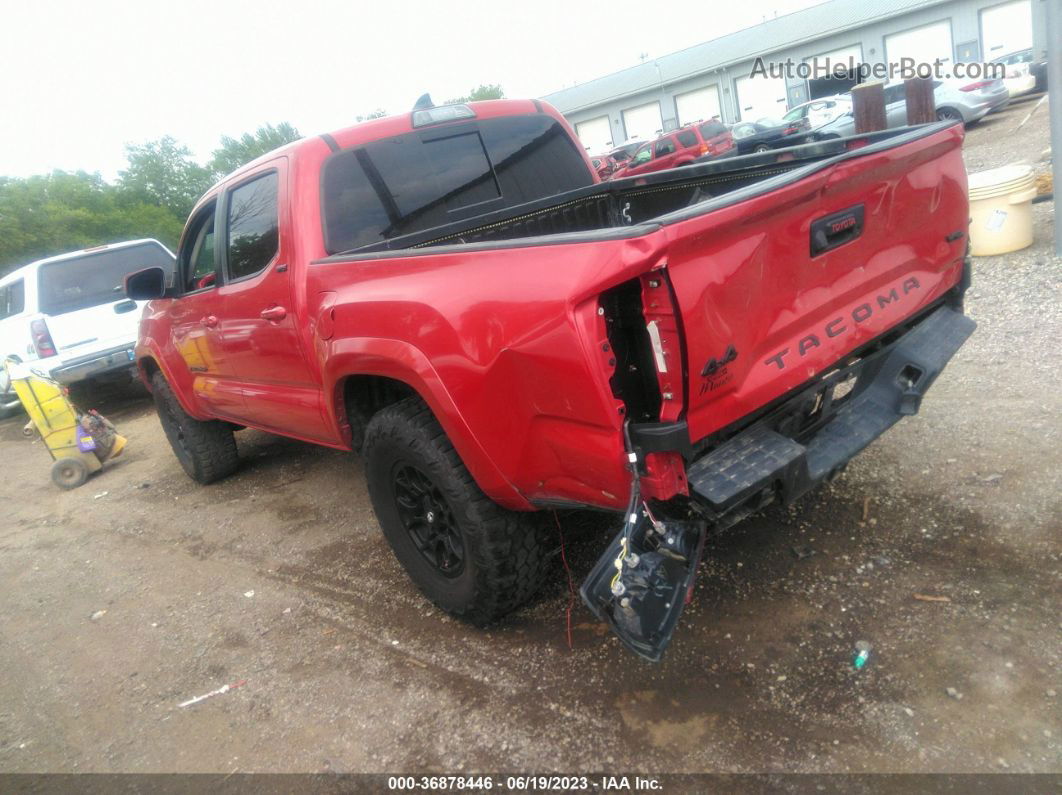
{"x": 948, "y": 114}
{"x": 468, "y": 555}
{"x": 205, "y": 449}
{"x": 761, "y": 148}
{"x": 69, "y": 473}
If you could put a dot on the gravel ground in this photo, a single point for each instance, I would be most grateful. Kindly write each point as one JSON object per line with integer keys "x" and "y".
{"x": 123, "y": 598}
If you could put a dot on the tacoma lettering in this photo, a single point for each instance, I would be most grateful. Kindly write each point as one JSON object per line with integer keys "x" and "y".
{"x": 837, "y": 327}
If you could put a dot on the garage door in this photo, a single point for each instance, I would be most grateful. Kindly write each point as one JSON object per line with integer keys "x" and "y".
{"x": 643, "y": 121}
{"x": 699, "y": 105}
{"x": 922, "y": 45}
{"x": 1006, "y": 29}
{"x": 595, "y": 134}
{"x": 760, "y": 97}
{"x": 827, "y": 80}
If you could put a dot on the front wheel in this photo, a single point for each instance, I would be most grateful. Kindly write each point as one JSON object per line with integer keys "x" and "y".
{"x": 467, "y": 554}
{"x": 205, "y": 449}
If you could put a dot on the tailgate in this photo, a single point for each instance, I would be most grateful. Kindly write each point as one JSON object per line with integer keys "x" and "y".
{"x": 95, "y": 328}
{"x": 778, "y": 287}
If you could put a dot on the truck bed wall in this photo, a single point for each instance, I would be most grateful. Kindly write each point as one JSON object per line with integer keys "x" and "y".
{"x": 626, "y": 202}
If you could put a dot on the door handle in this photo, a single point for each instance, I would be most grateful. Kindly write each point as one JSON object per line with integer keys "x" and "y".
{"x": 210, "y": 321}
{"x": 274, "y": 313}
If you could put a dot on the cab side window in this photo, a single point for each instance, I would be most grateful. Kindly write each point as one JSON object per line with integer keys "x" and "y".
{"x": 196, "y": 260}
{"x": 252, "y": 226}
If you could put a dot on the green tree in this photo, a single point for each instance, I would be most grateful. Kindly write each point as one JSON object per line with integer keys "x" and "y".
{"x": 235, "y": 152}
{"x": 51, "y": 214}
{"x": 379, "y": 113}
{"x": 480, "y": 92}
{"x": 164, "y": 174}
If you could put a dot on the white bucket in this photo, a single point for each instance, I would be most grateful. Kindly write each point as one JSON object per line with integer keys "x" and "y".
{"x": 1001, "y": 210}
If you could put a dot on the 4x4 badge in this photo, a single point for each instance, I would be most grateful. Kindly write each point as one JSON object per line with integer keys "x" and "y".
{"x": 714, "y": 365}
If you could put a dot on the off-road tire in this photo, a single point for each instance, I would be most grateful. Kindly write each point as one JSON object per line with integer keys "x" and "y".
{"x": 205, "y": 449}
{"x": 505, "y": 552}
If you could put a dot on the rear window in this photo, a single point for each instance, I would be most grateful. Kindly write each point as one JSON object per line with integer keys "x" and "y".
{"x": 432, "y": 177}
{"x": 687, "y": 138}
{"x": 710, "y": 129}
{"x": 96, "y": 278}
{"x": 12, "y": 298}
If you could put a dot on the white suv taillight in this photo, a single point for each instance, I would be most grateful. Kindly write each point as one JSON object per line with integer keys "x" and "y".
{"x": 42, "y": 339}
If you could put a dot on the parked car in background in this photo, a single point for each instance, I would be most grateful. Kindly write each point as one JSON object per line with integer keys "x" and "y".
{"x": 69, "y": 317}
{"x": 819, "y": 112}
{"x": 621, "y": 154}
{"x": 604, "y": 165}
{"x": 965, "y": 101}
{"x": 701, "y": 140}
{"x": 1024, "y": 73}
{"x": 767, "y": 134}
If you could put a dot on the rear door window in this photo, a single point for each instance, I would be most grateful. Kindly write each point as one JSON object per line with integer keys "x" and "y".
{"x": 12, "y": 299}
{"x": 687, "y": 138}
{"x": 95, "y": 278}
{"x": 252, "y": 226}
{"x": 420, "y": 180}
{"x": 664, "y": 147}
{"x": 711, "y": 129}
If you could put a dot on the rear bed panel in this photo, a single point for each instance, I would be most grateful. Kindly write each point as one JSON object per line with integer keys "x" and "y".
{"x": 745, "y": 279}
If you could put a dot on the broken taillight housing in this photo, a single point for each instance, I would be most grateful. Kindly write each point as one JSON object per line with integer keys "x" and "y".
{"x": 42, "y": 339}
{"x": 977, "y": 86}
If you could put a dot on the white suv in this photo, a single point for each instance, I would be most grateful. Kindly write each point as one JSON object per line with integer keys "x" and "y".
{"x": 68, "y": 317}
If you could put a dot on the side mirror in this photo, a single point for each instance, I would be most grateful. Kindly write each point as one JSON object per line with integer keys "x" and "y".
{"x": 146, "y": 284}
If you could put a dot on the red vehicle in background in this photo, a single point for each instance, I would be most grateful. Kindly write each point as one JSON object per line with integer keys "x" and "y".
{"x": 705, "y": 140}
{"x": 604, "y": 165}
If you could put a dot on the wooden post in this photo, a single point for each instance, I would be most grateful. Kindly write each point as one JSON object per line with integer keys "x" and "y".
{"x": 868, "y": 107}
{"x": 921, "y": 109}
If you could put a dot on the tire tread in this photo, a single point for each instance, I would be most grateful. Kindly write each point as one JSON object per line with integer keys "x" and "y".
{"x": 510, "y": 553}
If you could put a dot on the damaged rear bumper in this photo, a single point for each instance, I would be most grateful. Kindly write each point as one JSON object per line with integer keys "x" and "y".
{"x": 762, "y": 463}
{"x": 644, "y": 578}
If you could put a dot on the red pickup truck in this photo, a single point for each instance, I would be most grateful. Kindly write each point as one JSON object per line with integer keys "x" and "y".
{"x": 453, "y": 293}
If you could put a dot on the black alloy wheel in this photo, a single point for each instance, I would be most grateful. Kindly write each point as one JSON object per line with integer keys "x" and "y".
{"x": 428, "y": 519}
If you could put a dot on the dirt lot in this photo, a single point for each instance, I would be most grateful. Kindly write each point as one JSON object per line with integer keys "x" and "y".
{"x": 139, "y": 590}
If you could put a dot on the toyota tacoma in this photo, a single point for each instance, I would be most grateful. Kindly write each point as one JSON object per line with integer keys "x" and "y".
{"x": 452, "y": 293}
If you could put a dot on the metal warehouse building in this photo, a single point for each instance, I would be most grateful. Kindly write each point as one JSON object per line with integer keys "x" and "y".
{"x": 715, "y": 78}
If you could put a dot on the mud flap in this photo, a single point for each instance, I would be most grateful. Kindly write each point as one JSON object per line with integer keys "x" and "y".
{"x": 642, "y": 598}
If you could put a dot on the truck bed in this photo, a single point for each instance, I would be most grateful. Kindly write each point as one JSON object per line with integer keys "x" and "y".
{"x": 630, "y": 206}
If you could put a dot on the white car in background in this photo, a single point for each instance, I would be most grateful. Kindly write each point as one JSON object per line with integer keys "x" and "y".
{"x": 1019, "y": 77}
{"x": 67, "y": 317}
{"x": 963, "y": 100}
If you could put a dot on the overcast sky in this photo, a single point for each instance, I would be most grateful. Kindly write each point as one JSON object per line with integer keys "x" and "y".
{"x": 79, "y": 80}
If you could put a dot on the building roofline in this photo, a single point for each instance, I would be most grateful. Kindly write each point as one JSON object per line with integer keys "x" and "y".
{"x": 917, "y": 5}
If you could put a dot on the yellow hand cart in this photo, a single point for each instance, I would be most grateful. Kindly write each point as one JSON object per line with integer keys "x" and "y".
{"x": 78, "y": 442}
